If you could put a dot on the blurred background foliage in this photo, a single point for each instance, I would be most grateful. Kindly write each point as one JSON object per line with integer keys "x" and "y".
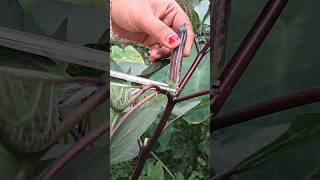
{"x": 286, "y": 62}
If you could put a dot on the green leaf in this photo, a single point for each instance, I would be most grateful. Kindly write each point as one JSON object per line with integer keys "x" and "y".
{"x": 179, "y": 176}
{"x": 86, "y": 24}
{"x": 304, "y": 129}
{"x": 225, "y": 141}
{"x": 154, "y": 172}
{"x": 127, "y": 54}
{"x": 200, "y": 113}
{"x": 193, "y": 16}
{"x": 134, "y": 126}
{"x": 11, "y": 15}
{"x": 153, "y": 68}
{"x": 29, "y": 112}
{"x": 91, "y": 164}
{"x": 9, "y": 164}
{"x": 131, "y": 152}
{"x": 61, "y": 32}
{"x": 315, "y": 175}
{"x": 132, "y": 68}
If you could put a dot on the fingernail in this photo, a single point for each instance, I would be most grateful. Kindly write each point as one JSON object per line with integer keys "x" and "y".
{"x": 172, "y": 39}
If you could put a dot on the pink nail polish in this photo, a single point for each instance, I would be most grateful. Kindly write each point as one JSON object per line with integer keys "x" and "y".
{"x": 172, "y": 38}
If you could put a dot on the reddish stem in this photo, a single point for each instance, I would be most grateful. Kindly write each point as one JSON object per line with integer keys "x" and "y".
{"x": 201, "y": 93}
{"x": 267, "y": 107}
{"x": 145, "y": 152}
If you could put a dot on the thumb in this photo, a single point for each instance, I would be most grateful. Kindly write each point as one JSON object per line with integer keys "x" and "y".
{"x": 159, "y": 31}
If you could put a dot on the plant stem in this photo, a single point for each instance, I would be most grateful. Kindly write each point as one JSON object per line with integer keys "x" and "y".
{"x": 201, "y": 93}
{"x": 61, "y": 161}
{"x": 248, "y": 48}
{"x": 193, "y": 67}
{"x": 267, "y": 107}
{"x": 91, "y": 103}
{"x": 144, "y": 154}
{"x": 219, "y": 21}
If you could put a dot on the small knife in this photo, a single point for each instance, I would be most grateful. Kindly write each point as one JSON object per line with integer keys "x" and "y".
{"x": 140, "y": 80}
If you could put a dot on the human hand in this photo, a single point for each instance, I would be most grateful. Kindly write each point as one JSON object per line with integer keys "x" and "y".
{"x": 153, "y": 23}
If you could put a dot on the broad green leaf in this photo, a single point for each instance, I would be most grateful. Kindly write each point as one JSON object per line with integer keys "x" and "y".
{"x": 11, "y": 15}
{"x": 193, "y": 16}
{"x": 9, "y": 164}
{"x": 154, "y": 67}
{"x": 132, "y": 68}
{"x": 179, "y": 176}
{"x": 127, "y": 54}
{"x": 200, "y": 113}
{"x": 303, "y": 129}
{"x": 90, "y": 164}
{"x": 180, "y": 110}
{"x": 128, "y": 154}
{"x": 154, "y": 172}
{"x": 135, "y": 125}
{"x": 86, "y": 24}
{"x": 29, "y": 112}
{"x": 246, "y": 139}
{"x": 61, "y": 32}
{"x": 315, "y": 175}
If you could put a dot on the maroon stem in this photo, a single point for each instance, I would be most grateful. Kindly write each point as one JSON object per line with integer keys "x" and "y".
{"x": 219, "y": 21}
{"x": 248, "y": 48}
{"x": 201, "y": 93}
{"x": 145, "y": 152}
{"x": 193, "y": 67}
{"x": 61, "y": 161}
{"x": 267, "y": 107}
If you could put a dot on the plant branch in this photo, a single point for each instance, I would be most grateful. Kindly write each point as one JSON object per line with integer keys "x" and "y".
{"x": 248, "y": 48}
{"x": 91, "y": 103}
{"x": 144, "y": 154}
{"x": 193, "y": 67}
{"x": 201, "y": 93}
{"x": 219, "y": 21}
{"x": 60, "y": 162}
{"x": 267, "y": 107}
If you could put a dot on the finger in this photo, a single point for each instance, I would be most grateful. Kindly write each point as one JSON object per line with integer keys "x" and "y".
{"x": 157, "y": 52}
{"x": 132, "y": 36}
{"x": 159, "y": 31}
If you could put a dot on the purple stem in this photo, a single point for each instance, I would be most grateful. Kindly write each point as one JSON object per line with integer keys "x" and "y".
{"x": 248, "y": 48}
{"x": 145, "y": 152}
{"x": 267, "y": 107}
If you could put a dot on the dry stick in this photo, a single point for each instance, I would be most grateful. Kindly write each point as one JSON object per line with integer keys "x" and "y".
{"x": 69, "y": 154}
{"x": 267, "y": 107}
{"x": 91, "y": 103}
{"x": 247, "y": 50}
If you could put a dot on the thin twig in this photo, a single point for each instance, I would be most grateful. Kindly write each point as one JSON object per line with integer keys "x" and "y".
{"x": 80, "y": 145}
{"x": 248, "y": 48}
{"x": 267, "y": 107}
